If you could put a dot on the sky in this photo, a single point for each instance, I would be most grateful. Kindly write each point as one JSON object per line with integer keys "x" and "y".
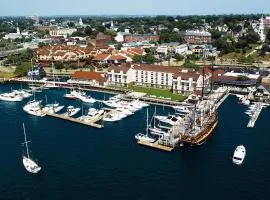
{"x": 131, "y": 7}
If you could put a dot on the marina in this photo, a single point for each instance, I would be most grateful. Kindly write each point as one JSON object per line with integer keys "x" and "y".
{"x": 84, "y": 142}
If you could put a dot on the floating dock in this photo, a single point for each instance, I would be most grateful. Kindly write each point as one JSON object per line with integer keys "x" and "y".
{"x": 71, "y": 119}
{"x": 156, "y": 145}
{"x": 255, "y": 116}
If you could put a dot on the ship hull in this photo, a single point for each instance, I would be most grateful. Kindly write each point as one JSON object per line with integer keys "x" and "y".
{"x": 203, "y": 135}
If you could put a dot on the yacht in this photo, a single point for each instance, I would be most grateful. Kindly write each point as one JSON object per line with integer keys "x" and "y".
{"x": 112, "y": 103}
{"x": 125, "y": 111}
{"x": 53, "y": 108}
{"x": 29, "y": 164}
{"x": 12, "y": 96}
{"x": 113, "y": 117}
{"x": 71, "y": 111}
{"x": 34, "y": 108}
{"x": 92, "y": 114}
{"x": 87, "y": 99}
{"x": 171, "y": 119}
{"x": 23, "y": 93}
{"x": 239, "y": 155}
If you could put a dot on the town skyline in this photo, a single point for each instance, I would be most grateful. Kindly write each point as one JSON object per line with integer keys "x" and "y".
{"x": 144, "y": 8}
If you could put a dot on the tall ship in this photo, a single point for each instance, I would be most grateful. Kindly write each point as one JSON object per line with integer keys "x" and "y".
{"x": 201, "y": 123}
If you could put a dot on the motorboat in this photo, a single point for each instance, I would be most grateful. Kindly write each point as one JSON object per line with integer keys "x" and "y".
{"x": 125, "y": 111}
{"x": 12, "y": 96}
{"x": 239, "y": 155}
{"x": 112, "y": 103}
{"x": 29, "y": 164}
{"x": 142, "y": 137}
{"x": 53, "y": 108}
{"x": 23, "y": 93}
{"x": 71, "y": 111}
{"x": 182, "y": 109}
{"x": 34, "y": 108}
{"x": 113, "y": 117}
{"x": 87, "y": 99}
{"x": 49, "y": 85}
{"x": 94, "y": 112}
{"x": 171, "y": 119}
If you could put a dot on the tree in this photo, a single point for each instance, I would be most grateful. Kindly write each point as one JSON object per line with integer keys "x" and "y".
{"x": 178, "y": 57}
{"x": 137, "y": 59}
{"x": 88, "y": 30}
{"x": 42, "y": 44}
{"x": 101, "y": 28}
{"x": 59, "y": 65}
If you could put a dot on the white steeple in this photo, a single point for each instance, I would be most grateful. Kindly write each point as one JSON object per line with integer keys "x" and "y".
{"x": 18, "y": 31}
{"x": 80, "y": 22}
{"x": 261, "y": 29}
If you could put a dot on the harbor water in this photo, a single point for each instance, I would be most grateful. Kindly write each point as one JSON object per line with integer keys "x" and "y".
{"x": 79, "y": 162}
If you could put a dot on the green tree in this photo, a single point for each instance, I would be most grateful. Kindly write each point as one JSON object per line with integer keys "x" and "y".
{"x": 59, "y": 65}
{"x": 88, "y": 30}
{"x": 178, "y": 57}
{"x": 137, "y": 59}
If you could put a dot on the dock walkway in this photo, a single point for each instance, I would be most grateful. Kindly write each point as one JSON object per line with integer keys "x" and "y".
{"x": 155, "y": 145}
{"x": 254, "y": 117}
{"x": 71, "y": 119}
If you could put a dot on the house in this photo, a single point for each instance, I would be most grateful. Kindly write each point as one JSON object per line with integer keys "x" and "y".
{"x": 116, "y": 59}
{"x": 197, "y": 37}
{"x": 129, "y": 38}
{"x": 88, "y": 78}
{"x": 62, "y": 32}
{"x": 181, "y": 49}
{"x": 101, "y": 58}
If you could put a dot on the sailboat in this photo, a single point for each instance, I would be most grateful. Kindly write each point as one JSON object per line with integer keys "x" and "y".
{"x": 29, "y": 164}
{"x": 142, "y": 137}
{"x": 48, "y": 85}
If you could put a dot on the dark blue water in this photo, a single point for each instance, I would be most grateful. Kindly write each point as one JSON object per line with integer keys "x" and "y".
{"x": 79, "y": 162}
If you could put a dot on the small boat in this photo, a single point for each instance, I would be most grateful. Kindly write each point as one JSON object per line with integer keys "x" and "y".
{"x": 53, "y": 108}
{"x": 71, "y": 111}
{"x": 87, "y": 99}
{"x": 171, "y": 119}
{"x": 29, "y": 164}
{"x": 34, "y": 108}
{"x": 125, "y": 111}
{"x": 113, "y": 117}
{"x": 92, "y": 114}
{"x": 142, "y": 137}
{"x": 239, "y": 155}
{"x": 12, "y": 96}
{"x": 23, "y": 93}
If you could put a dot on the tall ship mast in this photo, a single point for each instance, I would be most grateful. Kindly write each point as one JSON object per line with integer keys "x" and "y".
{"x": 202, "y": 121}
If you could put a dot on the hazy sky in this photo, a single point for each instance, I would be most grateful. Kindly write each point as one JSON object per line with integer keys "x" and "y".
{"x": 132, "y": 7}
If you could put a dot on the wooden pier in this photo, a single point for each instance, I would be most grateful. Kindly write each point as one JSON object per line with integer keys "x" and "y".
{"x": 76, "y": 120}
{"x": 255, "y": 116}
{"x": 155, "y": 145}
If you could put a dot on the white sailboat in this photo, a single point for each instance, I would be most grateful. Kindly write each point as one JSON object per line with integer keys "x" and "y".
{"x": 51, "y": 84}
{"x": 29, "y": 164}
{"x": 142, "y": 137}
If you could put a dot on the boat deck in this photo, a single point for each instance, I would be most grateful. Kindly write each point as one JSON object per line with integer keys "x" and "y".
{"x": 155, "y": 145}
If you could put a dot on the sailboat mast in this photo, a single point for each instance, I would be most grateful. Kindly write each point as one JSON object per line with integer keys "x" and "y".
{"x": 25, "y": 141}
{"x": 147, "y": 122}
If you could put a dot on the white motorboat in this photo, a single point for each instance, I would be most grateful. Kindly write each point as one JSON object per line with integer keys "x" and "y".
{"x": 142, "y": 137}
{"x": 239, "y": 155}
{"x": 71, "y": 111}
{"x": 53, "y": 108}
{"x": 87, "y": 99}
{"x": 182, "y": 109}
{"x": 94, "y": 112}
{"x": 34, "y": 108}
{"x": 12, "y": 96}
{"x": 92, "y": 115}
{"x": 113, "y": 117}
{"x": 112, "y": 103}
{"x": 29, "y": 164}
{"x": 49, "y": 85}
{"x": 125, "y": 111}
{"x": 171, "y": 119}
{"x": 22, "y": 93}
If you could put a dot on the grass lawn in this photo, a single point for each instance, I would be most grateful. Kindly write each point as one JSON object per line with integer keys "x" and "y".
{"x": 159, "y": 93}
{"x": 6, "y": 75}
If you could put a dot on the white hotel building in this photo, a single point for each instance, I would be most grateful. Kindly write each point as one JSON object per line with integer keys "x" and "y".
{"x": 183, "y": 81}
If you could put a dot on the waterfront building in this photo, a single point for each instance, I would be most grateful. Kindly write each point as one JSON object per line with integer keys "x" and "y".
{"x": 197, "y": 37}
{"x": 183, "y": 81}
{"x": 36, "y": 73}
{"x": 88, "y": 78}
